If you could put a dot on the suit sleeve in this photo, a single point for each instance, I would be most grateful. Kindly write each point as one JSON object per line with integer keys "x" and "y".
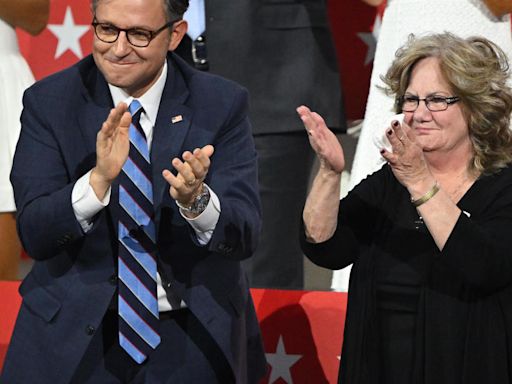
{"x": 42, "y": 183}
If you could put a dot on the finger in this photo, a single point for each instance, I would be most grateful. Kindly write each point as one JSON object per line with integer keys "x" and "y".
{"x": 177, "y": 182}
{"x": 396, "y": 144}
{"x": 303, "y": 110}
{"x": 399, "y": 131}
{"x": 203, "y": 155}
{"x": 390, "y": 157}
{"x": 184, "y": 170}
{"x": 203, "y": 160}
{"x": 173, "y": 182}
{"x": 125, "y": 121}
{"x": 108, "y": 126}
{"x": 306, "y": 117}
{"x": 208, "y": 150}
{"x": 196, "y": 166}
{"x": 115, "y": 115}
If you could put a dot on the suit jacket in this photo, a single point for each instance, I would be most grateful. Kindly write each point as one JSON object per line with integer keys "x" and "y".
{"x": 73, "y": 279}
{"x": 280, "y": 50}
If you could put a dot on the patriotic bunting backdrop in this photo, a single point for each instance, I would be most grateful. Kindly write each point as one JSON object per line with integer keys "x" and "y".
{"x": 68, "y": 38}
{"x": 302, "y": 330}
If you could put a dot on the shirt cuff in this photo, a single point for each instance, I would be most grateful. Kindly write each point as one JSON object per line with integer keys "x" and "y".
{"x": 85, "y": 203}
{"x": 204, "y": 224}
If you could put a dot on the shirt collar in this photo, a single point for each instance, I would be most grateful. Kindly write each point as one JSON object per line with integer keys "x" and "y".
{"x": 150, "y": 100}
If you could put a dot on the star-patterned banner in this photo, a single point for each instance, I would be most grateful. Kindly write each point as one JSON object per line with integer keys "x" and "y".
{"x": 302, "y": 332}
{"x": 68, "y": 38}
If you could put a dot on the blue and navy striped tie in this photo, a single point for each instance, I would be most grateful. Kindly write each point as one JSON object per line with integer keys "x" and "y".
{"x": 137, "y": 267}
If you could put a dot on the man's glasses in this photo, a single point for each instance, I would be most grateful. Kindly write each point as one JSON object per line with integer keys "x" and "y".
{"x": 138, "y": 37}
{"x": 410, "y": 103}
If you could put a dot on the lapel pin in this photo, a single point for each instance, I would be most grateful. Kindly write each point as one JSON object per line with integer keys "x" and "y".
{"x": 176, "y": 119}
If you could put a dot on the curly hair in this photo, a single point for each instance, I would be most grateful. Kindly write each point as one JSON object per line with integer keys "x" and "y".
{"x": 174, "y": 9}
{"x": 477, "y": 71}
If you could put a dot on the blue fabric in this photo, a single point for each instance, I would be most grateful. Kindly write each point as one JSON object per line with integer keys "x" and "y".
{"x": 195, "y": 18}
{"x": 131, "y": 278}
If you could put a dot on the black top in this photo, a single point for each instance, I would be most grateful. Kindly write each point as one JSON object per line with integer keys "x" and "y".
{"x": 464, "y": 299}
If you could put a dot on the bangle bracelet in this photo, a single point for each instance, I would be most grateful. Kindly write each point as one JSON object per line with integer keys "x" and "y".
{"x": 427, "y": 196}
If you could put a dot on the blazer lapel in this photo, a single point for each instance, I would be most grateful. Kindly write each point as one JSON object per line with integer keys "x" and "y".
{"x": 171, "y": 128}
{"x": 98, "y": 102}
{"x": 92, "y": 113}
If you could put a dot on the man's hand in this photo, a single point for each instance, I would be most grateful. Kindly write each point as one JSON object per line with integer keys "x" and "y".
{"x": 192, "y": 170}
{"x": 112, "y": 148}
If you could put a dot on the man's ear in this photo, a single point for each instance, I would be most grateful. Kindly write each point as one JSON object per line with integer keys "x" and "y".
{"x": 179, "y": 30}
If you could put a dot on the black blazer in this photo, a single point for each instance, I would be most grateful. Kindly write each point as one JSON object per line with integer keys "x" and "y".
{"x": 282, "y": 51}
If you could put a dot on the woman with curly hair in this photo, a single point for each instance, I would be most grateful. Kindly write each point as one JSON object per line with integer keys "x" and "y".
{"x": 429, "y": 234}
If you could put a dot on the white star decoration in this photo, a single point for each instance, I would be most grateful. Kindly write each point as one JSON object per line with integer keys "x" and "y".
{"x": 370, "y": 39}
{"x": 376, "y": 27}
{"x": 69, "y": 34}
{"x": 281, "y": 362}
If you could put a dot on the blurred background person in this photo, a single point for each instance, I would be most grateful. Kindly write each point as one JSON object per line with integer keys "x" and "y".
{"x": 430, "y": 296}
{"x": 283, "y": 53}
{"x": 402, "y": 17}
{"x": 15, "y": 77}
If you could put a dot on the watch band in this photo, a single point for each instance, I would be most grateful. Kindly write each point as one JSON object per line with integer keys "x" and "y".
{"x": 200, "y": 202}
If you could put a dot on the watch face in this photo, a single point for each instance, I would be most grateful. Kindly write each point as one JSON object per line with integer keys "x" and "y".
{"x": 201, "y": 201}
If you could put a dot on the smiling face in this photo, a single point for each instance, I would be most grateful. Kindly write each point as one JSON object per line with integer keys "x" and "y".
{"x": 442, "y": 130}
{"x": 123, "y": 65}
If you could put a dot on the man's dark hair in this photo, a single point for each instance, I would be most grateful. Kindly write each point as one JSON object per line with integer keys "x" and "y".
{"x": 174, "y": 8}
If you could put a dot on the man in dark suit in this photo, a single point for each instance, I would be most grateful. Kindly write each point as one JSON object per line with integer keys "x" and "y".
{"x": 283, "y": 53}
{"x": 73, "y": 151}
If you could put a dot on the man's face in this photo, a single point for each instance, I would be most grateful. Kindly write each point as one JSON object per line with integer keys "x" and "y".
{"x": 123, "y": 65}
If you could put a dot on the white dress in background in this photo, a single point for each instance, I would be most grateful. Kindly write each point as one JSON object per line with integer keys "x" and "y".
{"x": 401, "y": 18}
{"x": 15, "y": 77}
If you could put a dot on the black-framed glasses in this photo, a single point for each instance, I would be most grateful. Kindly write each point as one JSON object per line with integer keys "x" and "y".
{"x": 138, "y": 37}
{"x": 410, "y": 103}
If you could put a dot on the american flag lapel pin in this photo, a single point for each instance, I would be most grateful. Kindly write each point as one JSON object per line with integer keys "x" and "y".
{"x": 176, "y": 119}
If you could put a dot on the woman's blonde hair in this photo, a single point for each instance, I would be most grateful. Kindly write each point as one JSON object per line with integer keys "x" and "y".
{"x": 477, "y": 71}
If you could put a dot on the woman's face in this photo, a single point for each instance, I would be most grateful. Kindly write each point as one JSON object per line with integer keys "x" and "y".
{"x": 442, "y": 131}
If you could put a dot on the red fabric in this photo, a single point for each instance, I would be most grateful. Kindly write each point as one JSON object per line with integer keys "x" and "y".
{"x": 349, "y": 19}
{"x": 11, "y": 302}
{"x": 308, "y": 323}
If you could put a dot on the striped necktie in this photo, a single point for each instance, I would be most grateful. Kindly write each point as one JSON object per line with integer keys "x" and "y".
{"x": 137, "y": 267}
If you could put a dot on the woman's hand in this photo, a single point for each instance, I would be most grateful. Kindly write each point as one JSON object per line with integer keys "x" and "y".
{"x": 322, "y": 140}
{"x": 321, "y": 208}
{"x": 406, "y": 157}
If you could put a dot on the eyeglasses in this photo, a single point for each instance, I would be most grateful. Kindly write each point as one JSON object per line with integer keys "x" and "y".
{"x": 410, "y": 103}
{"x": 138, "y": 37}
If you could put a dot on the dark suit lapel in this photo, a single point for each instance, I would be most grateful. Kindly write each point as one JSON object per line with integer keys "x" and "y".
{"x": 97, "y": 105}
{"x": 171, "y": 128}
{"x": 94, "y": 111}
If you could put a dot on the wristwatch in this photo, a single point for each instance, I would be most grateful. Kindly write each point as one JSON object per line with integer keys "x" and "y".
{"x": 199, "y": 204}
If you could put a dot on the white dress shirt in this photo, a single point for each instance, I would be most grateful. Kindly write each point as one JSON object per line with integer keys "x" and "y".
{"x": 86, "y": 204}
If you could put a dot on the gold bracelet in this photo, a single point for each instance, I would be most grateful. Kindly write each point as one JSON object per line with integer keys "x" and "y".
{"x": 427, "y": 196}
